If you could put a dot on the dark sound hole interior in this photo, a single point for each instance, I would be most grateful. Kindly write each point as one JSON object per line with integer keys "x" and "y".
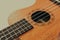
{"x": 40, "y": 15}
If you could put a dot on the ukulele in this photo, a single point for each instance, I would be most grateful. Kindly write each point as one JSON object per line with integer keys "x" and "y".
{"x": 40, "y": 21}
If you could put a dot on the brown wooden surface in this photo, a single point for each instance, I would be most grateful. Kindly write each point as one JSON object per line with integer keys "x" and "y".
{"x": 49, "y": 31}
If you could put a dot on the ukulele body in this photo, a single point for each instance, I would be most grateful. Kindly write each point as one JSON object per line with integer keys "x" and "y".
{"x": 46, "y": 31}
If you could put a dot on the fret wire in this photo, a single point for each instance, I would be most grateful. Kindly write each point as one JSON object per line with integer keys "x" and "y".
{"x": 0, "y": 32}
{"x": 14, "y": 26}
{"x": 25, "y": 27}
{"x": 6, "y": 35}
{"x": 20, "y": 25}
{"x": 20, "y": 22}
{"x": 19, "y": 31}
{"x": 11, "y": 36}
{"x": 10, "y": 26}
{"x": 3, "y": 33}
{"x": 3, "y": 36}
{"x": 17, "y": 25}
{"x": 5, "y": 30}
{"x": 24, "y": 24}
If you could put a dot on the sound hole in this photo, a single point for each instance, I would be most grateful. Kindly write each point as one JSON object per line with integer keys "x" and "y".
{"x": 40, "y": 16}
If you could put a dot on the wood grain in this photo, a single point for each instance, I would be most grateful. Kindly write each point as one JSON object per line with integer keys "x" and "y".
{"x": 44, "y": 32}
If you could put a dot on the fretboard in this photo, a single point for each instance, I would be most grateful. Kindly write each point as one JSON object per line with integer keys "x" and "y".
{"x": 14, "y": 31}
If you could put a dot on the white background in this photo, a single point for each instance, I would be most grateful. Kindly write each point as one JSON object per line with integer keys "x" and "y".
{"x": 8, "y": 6}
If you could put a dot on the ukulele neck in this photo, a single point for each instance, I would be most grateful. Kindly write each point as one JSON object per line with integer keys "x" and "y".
{"x": 14, "y": 31}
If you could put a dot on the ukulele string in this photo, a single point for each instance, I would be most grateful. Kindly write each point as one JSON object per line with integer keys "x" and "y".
{"x": 54, "y": 9}
{"x": 53, "y": 37}
{"x": 44, "y": 9}
{"x": 49, "y": 28}
{"x": 48, "y": 9}
{"x": 35, "y": 23}
{"x": 51, "y": 6}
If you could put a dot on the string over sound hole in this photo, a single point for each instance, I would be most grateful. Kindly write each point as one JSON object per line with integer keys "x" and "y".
{"x": 40, "y": 16}
{"x": 56, "y": 1}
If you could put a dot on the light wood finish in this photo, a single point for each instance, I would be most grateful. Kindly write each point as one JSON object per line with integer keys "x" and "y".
{"x": 43, "y": 32}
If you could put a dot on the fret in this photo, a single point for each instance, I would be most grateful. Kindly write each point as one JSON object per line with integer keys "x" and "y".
{"x": 14, "y": 36}
{"x": 1, "y": 35}
{"x": 0, "y": 32}
{"x": 25, "y": 27}
{"x": 3, "y": 38}
{"x": 10, "y": 38}
{"x": 12, "y": 33}
{"x": 6, "y": 29}
{"x": 6, "y": 32}
{"x": 14, "y": 27}
{"x": 19, "y": 30}
{"x": 15, "y": 30}
{"x": 8, "y": 35}
{"x": 10, "y": 30}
